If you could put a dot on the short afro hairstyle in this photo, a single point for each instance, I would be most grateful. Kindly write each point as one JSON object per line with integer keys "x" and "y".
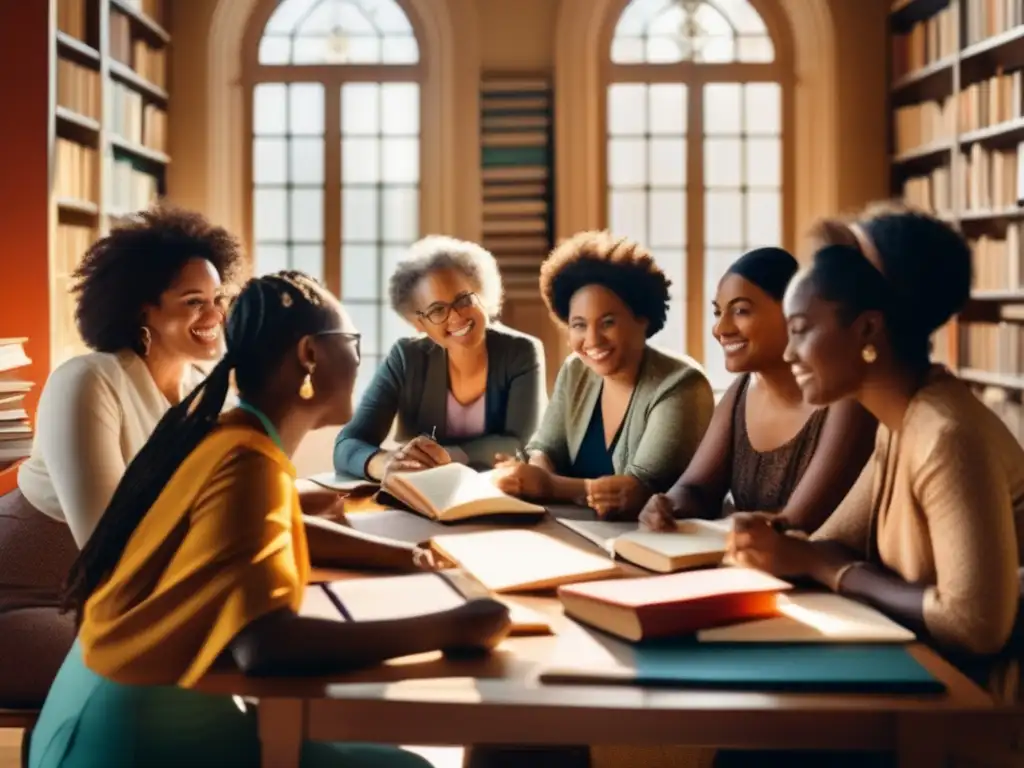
{"x": 437, "y": 252}
{"x": 617, "y": 263}
{"x": 126, "y": 271}
{"x": 925, "y": 278}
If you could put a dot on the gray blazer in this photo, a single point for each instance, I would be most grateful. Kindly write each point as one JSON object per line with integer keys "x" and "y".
{"x": 412, "y": 384}
{"x": 667, "y": 416}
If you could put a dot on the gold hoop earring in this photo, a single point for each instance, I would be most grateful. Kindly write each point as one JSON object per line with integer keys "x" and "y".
{"x": 306, "y": 390}
{"x": 869, "y": 354}
{"x": 147, "y": 340}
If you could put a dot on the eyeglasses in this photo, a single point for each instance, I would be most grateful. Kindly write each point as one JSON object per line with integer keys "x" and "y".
{"x": 355, "y": 337}
{"x": 440, "y": 312}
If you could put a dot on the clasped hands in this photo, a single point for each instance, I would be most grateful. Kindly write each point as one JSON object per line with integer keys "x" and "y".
{"x": 607, "y": 496}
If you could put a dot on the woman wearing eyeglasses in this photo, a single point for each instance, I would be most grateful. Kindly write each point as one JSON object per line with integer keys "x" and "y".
{"x": 466, "y": 390}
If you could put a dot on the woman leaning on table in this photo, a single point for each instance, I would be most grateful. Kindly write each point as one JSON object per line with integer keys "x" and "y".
{"x": 931, "y": 533}
{"x": 467, "y": 390}
{"x": 201, "y": 557}
{"x": 766, "y": 447}
{"x": 626, "y": 417}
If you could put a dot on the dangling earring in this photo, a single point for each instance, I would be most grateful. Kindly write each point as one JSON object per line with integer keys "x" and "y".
{"x": 306, "y": 391}
{"x": 147, "y": 340}
{"x": 869, "y": 354}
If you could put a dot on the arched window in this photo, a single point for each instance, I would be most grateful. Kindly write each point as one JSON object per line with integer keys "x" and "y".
{"x": 694, "y": 153}
{"x": 335, "y": 173}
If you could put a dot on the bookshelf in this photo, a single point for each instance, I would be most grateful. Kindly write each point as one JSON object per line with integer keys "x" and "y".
{"x": 957, "y": 149}
{"x": 108, "y": 155}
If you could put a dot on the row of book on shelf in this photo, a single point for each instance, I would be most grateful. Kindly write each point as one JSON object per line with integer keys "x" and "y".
{"x": 130, "y": 185}
{"x": 15, "y": 426}
{"x": 989, "y": 180}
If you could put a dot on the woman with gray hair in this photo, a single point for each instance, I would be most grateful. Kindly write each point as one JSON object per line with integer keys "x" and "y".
{"x": 465, "y": 390}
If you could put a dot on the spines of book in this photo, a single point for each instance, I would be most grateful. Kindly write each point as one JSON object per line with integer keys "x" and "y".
{"x": 135, "y": 120}
{"x": 75, "y": 173}
{"x": 70, "y": 244}
{"x": 1007, "y": 409}
{"x": 991, "y": 102}
{"x": 932, "y": 192}
{"x": 992, "y": 347}
{"x": 516, "y": 169}
{"x": 78, "y": 88}
{"x": 999, "y": 261}
{"x": 147, "y": 62}
{"x": 927, "y": 41}
{"x": 72, "y": 18}
{"x": 130, "y": 187}
{"x": 989, "y": 179}
{"x": 15, "y": 425}
{"x": 918, "y": 125}
{"x": 986, "y": 18}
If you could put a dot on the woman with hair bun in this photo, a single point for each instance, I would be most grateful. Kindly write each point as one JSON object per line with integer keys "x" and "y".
{"x": 766, "y": 448}
{"x": 625, "y": 417}
{"x": 932, "y": 531}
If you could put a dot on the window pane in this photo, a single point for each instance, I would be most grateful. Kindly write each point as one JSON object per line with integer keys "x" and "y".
{"x": 628, "y": 50}
{"x": 359, "y": 221}
{"x": 627, "y": 214}
{"x": 723, "y": 219}
{"x": 722, "y": 163}
{"x": 401, "y": 215}
{"x": 288, "y": 14}
{"x": 361, "y": 50}
{"x": 627, "y": 162}
{"x": 360, "y": 161}
{"x": 627, "y": 109}
{"x": 668, "y": 162}
{"x": 307, "y": 210}
{"x": 668, "y": 108}
{"x": 722, "y": 108}
{"x": 392, "y": 255}
{"x": 275, "y": 50}
{"x": 359, "y": 273}
{"x": 307, "y": 161}
{"x": 668, "y": 219}
{"x": 763, "y": 163}
{"x": 395, "y": 328}
{"x": 269, "y": 161}
{"x": 360, "y": 108}
{"x": 673, "y": 263}
{"x": 269, "y": 108}
{"x": 764, "y": 218}
{"x": 762, "y": 108}
{"x": 309, "y": 259}
{"x": 755, "y": 49}
{"x": 400, "y": 50}
{"x": 401, "y": 161}
{"x": 400, "y": 108}
{"x": 269, "y": 215}
{"x": 270, "y": 258}
{"x": 366, "y": 318}
{"x": 306, "y": 108}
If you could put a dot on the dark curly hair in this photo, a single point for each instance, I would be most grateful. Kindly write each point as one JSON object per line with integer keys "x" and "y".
{"x": 925, "y": 275}
{"x": 126, "y": 271}
{"x": 617, "y": 263}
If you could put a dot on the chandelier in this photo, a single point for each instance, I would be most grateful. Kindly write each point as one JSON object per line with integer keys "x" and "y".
{"x": 691, "y": 36}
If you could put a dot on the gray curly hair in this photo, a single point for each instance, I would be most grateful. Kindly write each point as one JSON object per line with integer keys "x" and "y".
{"x": 437, "y": 252}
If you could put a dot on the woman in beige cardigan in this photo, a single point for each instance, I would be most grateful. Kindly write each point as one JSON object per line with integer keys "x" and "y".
{"x": 931, "y": 533}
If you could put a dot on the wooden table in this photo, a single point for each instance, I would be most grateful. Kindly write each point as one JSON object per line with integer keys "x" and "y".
{"x": 431, "y": 700}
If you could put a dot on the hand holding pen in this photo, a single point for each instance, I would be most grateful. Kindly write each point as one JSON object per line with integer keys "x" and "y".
{"x": 420, "y": 453}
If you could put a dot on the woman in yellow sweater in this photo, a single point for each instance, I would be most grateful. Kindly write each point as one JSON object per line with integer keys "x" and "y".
{"x": 931, "y": 533}
{"x": 201, "y": 557}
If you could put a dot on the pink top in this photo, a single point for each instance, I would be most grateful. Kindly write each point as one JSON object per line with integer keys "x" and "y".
{"x": 465, "y": 421}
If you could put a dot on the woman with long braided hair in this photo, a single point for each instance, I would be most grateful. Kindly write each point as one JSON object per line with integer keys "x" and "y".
{"x": 202, "y": 556}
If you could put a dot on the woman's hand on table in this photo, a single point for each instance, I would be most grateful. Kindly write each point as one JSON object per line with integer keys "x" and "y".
{"x": 757, "y": 542}
{"x": 522, "y": 480}
{"x": 615, "y": 498}
{"x": 658, "y": 514}
{"x": 418, "y": 454}
{"x": 478, "y": 625}
{"x": 324, "y": 504}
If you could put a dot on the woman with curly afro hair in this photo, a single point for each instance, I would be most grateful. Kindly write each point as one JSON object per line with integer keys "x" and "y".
{"x": 625, "y": 418}
{"x": 150, "y": 306}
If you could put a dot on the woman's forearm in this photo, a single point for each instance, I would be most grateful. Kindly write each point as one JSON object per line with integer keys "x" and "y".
{"x": 568, "y": 489}
{"x": 688, "y": 501}
{"x": 334, "y": 545}
{"x": 899, "y": 600}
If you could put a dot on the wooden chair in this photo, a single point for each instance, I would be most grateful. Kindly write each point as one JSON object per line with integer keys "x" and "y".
{"x": 24, "y": 719}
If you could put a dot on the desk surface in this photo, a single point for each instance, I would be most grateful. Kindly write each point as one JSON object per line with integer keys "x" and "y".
{"x": 428, "y": 699}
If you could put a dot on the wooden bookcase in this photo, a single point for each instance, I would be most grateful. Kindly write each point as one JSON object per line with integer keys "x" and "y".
{"x": 957, "y": 143}
{"x": 108, "y": 156}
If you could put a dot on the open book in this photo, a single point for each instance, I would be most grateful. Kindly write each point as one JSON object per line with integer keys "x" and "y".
{"x": 454, "y": 492}
{"x": 697, "y": 543}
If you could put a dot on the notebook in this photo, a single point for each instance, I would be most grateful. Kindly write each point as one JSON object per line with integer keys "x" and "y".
{"x": 516, "y": 560}
{"x": 814, "y": 617}
{"x": 682, "y": 663}
{"x": 455, "y": 492}
{"x": 673, "y": 605}
{"x": 696, "y": 544}
{"x": 401, "y": 597}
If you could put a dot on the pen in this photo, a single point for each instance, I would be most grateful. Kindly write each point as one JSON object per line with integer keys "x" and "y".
{"x": 433, "y": 433}
{"x": 521, "y": 456}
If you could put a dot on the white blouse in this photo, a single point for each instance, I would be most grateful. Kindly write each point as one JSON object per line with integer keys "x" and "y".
{"x": 95, "y": 413}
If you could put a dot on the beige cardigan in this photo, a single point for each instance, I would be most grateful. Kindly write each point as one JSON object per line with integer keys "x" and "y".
{"x": 941, "y": 503}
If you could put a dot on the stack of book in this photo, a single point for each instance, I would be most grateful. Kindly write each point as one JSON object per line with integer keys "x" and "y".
{"x": 15, "y": 428}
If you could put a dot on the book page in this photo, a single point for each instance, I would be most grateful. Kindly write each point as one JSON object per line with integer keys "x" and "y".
{"x": 395, "y": 597}
{"x": 450, "y": 485}
{"x": 691, "y": 539}
{"x": 678, "y": 587}
{"x": 599, "y": 532}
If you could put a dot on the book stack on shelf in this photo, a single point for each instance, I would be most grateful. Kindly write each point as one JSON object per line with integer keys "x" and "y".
{"x": 516, "y": 168}
{"x": 15, "y": 428}
{"x": 957, "y": 102}
{"x": 110, "y": 155}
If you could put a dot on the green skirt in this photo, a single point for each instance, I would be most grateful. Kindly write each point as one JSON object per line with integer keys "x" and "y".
{"x": 89, "y": 721}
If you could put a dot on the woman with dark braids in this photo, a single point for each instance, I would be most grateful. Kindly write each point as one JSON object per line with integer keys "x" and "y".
{"x": 201, "y": 556}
